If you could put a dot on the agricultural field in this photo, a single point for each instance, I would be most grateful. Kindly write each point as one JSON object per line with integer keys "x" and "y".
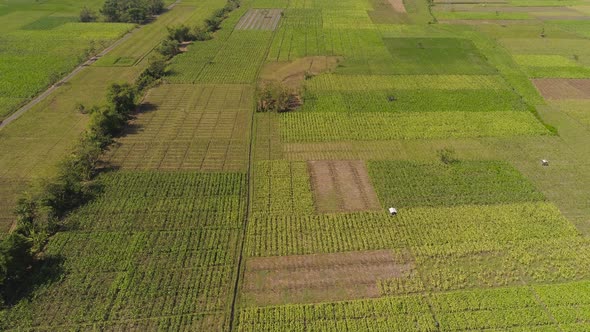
{"x": 41, "y": 42}
{"x": 214, "y": 214}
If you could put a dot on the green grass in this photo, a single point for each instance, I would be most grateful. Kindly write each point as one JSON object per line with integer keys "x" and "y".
{"x": 406, "y": 184}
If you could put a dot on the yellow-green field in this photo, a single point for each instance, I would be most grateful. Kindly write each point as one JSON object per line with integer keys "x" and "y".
{"x": 215, "y": 217}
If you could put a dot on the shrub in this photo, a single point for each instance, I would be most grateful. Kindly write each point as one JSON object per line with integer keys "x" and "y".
{"x": 447, "y": 156}
{"x": 180, "y": 33}
{"x": 169, "y": 48}
{"x": 275, "y": 97}
{"x": 87, "y": 15}
{"x": 201, "y": 34}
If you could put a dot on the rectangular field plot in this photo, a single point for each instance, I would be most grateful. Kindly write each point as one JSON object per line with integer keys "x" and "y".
{"x": 260, "y": 19}
{"x": 557, "y": 88}
{"x": 386, "y": 314}
{"x": 436, "y": 56}
{"x": 406, "y": 184}
{"x": 419, "y": 100}
{"x": 340, "y": 186}
{"x": 281, "y": 188}
{"x": 151, "y": 245}
{"x": 320, "y": 278}
{"x": 453, "y": 247}
{"x": 332, "y": 126}
{"x": 197, "y": 127}
{"x": 503, "y": 309}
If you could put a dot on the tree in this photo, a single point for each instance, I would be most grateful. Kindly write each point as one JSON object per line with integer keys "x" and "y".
{"x": 87, "y": 15}
{"x": 122, "y": 98}
{"x": 169, "y": 48}
{"x": 15, "y": 259}
{"x": 110, "y": 10}
{"x": 180, "y": 33}
{"x": 201, "y": 34}
{"x": 155, "y": 7}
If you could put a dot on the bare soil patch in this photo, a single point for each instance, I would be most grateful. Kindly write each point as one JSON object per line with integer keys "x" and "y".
{"x": 183, "y": 47}
{"x": 293, "y": 73}
{"x": 563, "y": 88}
{"x": 320, "y": 277}
{"x": 398, "y": 5}
{"x": 342, "y": 186}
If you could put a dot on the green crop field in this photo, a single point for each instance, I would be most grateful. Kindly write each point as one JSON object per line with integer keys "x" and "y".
{"x": 41, "y": 43}
{"x": 210, "y": 212}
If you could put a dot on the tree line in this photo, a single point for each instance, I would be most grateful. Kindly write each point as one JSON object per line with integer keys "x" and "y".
{"x": 129, "y": 11}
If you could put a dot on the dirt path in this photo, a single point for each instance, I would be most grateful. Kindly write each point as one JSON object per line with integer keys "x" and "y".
{"x": 68, "y": 77}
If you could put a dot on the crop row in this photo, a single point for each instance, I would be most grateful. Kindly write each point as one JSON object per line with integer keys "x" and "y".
{"x": 428, "y": 229}
{"x": 334, "y": 126}
{"x": 412, "y": 101}
{"x": 151, "y": 244}
{"x": 405, "y": 82}
{"x": 239, "y": 59}
{"x": 281, "y": 188}
{"x": 31, "y": 59}
{"x": 386, "y": 314}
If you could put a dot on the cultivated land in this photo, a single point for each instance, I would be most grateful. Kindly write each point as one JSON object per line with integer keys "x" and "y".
{"x": 216, "y": 217}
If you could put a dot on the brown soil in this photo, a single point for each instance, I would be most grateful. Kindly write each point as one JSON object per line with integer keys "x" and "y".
{"x": 398, "y": 5}
{"x": 320, "y": 277}
{"x": 563, "y": 88}
{"x": 342, "y": 186}
{"x": 183, "y": 47}
{"x": 292, "y": 73}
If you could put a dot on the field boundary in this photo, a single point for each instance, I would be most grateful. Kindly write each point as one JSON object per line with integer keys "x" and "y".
{"x": 249, "y": 186}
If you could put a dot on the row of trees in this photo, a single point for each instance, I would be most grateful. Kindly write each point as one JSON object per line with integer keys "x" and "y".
{"x": 130, "y": 11}
{"x": 39, "y": 214}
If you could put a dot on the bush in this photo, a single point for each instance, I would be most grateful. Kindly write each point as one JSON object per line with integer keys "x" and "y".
{"x": 201, "y": 34}
{"x": 87, "y": 15}
{"x": 169, "y": 48}
{"x": 213, "y": 23}
{"x": 275, "y": 97}
{"x": 152, "y": 74}
{"x": 180, "y": 33}
{"x": 15, "y": 258}
{"x": 447, "y": 156}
